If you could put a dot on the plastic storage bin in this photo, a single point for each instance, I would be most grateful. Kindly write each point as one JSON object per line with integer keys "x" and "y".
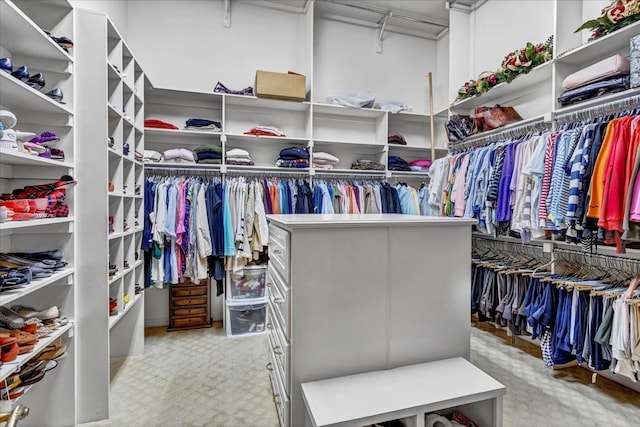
{"x": 246, "y": 318}
{"x": 248, "y": 284}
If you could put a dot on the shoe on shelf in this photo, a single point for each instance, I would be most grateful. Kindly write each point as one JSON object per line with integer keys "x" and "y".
{"x": 21, "y": 73}
{"x": 9, "y": 349}
{"x": 45, "y": 137}
{"x": 30, "y": 313}
{"x": 10, "y": 319}
{"x": 24, "y": 338}
{"x": 36, "y": 81}
{"x": 6, "y": 65}
{"x": 7, "y": 119}
{"x": 56, "y": 94}
{"x": 51, "y": 352}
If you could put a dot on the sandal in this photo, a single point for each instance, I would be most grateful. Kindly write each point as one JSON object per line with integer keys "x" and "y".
{"x": 51, "y": 352}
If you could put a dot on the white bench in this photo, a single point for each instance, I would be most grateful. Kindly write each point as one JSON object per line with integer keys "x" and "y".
{"x": 406, "y": 393}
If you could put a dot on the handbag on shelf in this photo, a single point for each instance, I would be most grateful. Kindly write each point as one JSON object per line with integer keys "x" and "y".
{"x": 458, "y": 127}
{"x": 489, "y": 118}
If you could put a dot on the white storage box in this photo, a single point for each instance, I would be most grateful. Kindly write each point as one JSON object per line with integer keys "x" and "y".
{"x": 246, "y": 317}
{"x": 249, "y": 283}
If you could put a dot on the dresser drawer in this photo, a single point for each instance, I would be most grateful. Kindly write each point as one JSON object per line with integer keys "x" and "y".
{"x": 280, "y": 396}
{"x": 279, "y": 347}
{"x": 279, "y": 250}
{"x": 183, "y": 322}
{"x": 189, "y": 311}
{"x": 188, "y": 292}
{"x": 189, "y": 301}
{"x": 279, "y": 303}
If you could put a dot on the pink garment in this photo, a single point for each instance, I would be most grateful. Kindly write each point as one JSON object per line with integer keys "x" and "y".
{"x": 458, "y": 188}
{"x": 423, "y": 163}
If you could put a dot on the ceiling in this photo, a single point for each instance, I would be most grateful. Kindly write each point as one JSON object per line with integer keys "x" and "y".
{"x": 422, "y": 18}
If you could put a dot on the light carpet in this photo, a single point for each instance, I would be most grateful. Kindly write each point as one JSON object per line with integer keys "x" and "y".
{"x": 203, "y": 378}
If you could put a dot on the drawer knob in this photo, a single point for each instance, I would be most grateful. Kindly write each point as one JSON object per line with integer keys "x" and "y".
{"x": 269, "y": 284}
{"x": 269, "y": 366}
{"x": 269, "y": 326}
{"x": 278, "y": 300}
{"x": 277, "y": 350}
{"x": 276, "y": 399}
{"x": 278, "y": 251}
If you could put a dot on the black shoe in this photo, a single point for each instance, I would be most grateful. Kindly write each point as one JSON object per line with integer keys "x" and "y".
{"x": 55, "y": 94}
{"x": 36, "y": 81}
{"x": 21, "y": 73}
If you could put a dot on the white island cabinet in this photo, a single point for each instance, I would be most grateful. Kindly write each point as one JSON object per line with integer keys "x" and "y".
{"x": 350, "y": 294}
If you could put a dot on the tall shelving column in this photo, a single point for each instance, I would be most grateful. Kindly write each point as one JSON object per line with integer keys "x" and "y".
{"x": 110, "y": 124}
{"x": 22, "y": 39}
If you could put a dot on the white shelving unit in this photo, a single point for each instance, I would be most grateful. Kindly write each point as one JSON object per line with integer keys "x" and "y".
{"x": 23, "y": 40}
{"x": 348, "y": 133}
{"x": 535, "y": 94}
{"x": 114, "y": 182}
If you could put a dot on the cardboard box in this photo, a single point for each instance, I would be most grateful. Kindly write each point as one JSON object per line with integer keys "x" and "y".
{"x": 290, "y": 86}
{"x": 635, "y": 61}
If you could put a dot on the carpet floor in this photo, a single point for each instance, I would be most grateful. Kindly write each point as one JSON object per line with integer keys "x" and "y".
{"x": 203, "y": 378}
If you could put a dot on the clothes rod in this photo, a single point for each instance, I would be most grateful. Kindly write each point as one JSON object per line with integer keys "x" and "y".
{"x": 347, "y": 177}
{"x": 155, "y": 170}
{"x": 539, "y": 124}
{"x": 386, "y": 12}
{"x": 630, "y": 103}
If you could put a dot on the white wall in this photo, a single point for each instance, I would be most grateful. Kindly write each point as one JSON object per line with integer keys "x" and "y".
{"x": 504, "y": 26}
{"x": 441, "y": 75}
{"x": 184, "y": 44}
{"x": 115, "y": 9}
{"x": 345, "y": 61}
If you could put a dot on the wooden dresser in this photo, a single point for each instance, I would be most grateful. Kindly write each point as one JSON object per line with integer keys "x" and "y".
{"x": 189, "y": 306}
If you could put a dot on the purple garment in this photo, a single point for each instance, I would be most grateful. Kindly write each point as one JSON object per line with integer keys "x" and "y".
{"x": 503, "y": 207}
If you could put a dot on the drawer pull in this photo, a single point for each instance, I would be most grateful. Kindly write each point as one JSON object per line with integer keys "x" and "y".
{"x": 277, "y": 350}
{"x": 275, "y": 399}
{"x": 278, "y": 300}
{"x": 269, "y": 284}
{"x": 269, "y": 366}
{"x": 269, "y": 326}
{"x": 278, "y": 251}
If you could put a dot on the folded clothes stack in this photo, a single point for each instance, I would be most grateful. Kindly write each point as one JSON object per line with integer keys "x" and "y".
{"x": 210, "y": 154}
{"x": 364, "y": 164}
{"x": 179, "y": 155}
{"x": 159, "y": 124}
{"x": 152, "y": 156}
{"x": 265, "y": 131}
{"x": 322, "y": 160}
{"x": 293, "y": 157}
{"x": 238, "y": 156}
{"x": 203, "y": 124}
{"x": 607, "y": 76}
{"x": 398, "y": 164}
{"x": 396, "y": 138}
{"x": 420, "y": 165}
{"x": 36, "y": 201}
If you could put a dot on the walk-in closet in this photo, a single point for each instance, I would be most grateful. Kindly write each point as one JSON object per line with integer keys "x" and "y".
{"x": 288, "y": 213}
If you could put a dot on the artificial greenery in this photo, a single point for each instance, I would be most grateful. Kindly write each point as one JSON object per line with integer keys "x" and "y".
{"x": 618, "y": 14}
{"x": 518, "y": 62}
